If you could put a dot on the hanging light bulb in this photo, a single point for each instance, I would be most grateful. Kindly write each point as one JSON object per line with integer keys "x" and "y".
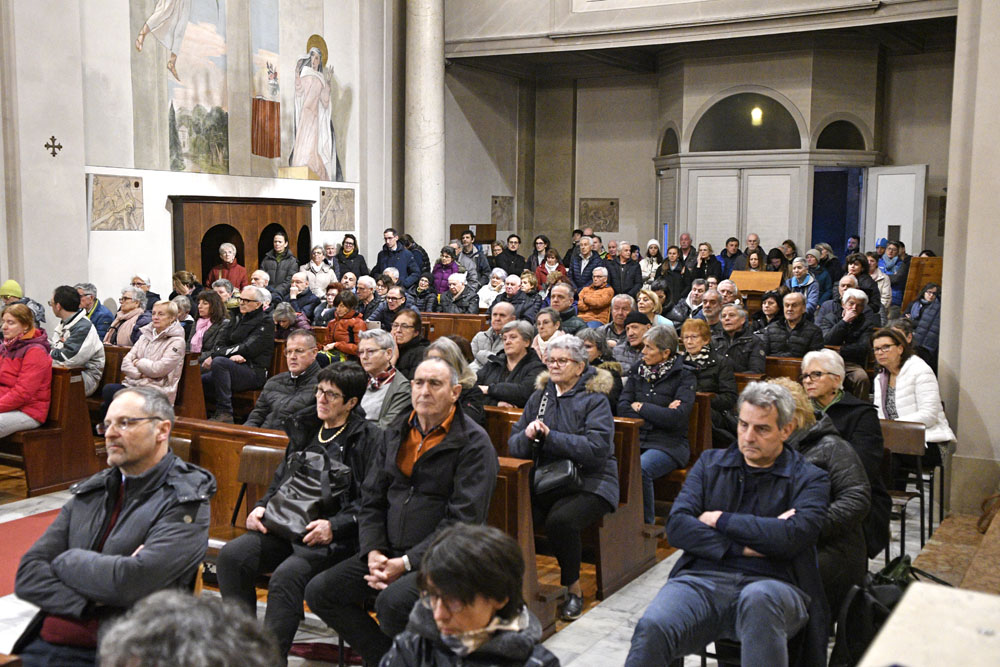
{"x": 756, "y": 116}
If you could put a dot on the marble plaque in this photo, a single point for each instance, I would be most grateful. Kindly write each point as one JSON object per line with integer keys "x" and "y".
{"x": 336, "y": 209}
{"x": 601, "y": 214}
{"x": 502, "y": 212}
{"x": 116, "y": 204}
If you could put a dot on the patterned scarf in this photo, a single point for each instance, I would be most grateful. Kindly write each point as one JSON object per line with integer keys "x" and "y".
{"x": 701, "y": 359}
{"x": 382, "y": 379}
{"x": 469, "y": 642}
{"x": 653, "y": 373}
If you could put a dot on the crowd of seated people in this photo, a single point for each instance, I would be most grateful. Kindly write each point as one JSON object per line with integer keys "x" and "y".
{"x": 571, "y": 341}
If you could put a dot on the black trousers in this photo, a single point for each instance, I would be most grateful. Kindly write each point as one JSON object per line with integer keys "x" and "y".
{"x": 252, "y": 554}
{"x": 564, "y": 519}
{"x": 225, "y": 377}
{"x": 338, "y": 596}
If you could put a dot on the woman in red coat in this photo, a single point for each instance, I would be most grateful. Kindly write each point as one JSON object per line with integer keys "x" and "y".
{"x": 25, "y": 372}
{"x": 345, "y": 327}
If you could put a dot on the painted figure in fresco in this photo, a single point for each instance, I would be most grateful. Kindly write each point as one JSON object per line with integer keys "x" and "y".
{"x": 167, "y": 23}
{"x": 315, "y": 141}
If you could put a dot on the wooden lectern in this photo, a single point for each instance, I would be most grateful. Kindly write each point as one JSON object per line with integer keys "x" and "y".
{"x": 753, "y": 284}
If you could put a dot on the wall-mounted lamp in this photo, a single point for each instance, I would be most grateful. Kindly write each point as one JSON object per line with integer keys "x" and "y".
{"x": 756, "y": 116}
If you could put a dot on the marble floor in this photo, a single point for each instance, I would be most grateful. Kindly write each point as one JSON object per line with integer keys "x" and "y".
{"x": 600, "y": 638}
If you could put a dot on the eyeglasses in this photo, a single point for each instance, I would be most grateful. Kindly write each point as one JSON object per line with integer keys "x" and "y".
{"x": 242, "y": 300}
{"x": 691, "y": 337}
{"x": 882, "y": 349}
{"x": 327, "y": 395}
{"x": 813, "y": 376}
{"x": 298, "y": 352}
{"x": 123, "y": 299}
{"x": 400, "y": 326}
{"x": 430, "y": 601}
{"x": 122, "y": 423}
{"x": 395, "y": 298}
{"x": 559, "y": 363}
{"x": 138, "y": 283}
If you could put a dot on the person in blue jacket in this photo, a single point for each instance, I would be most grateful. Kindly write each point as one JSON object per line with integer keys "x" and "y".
{"x": 395, "y": 255}
{"x": 97, "y": 313}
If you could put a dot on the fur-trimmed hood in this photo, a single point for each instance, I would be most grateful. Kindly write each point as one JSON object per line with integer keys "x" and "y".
{"x": 595, "y": 380}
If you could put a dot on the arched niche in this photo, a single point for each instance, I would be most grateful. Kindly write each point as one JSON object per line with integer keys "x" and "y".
{"x": 670, "y": 144}
{"x": 747, "y": 121}
{"x": 266, "y": 240}
{"x": 841, "y": 135}
{"x": 210, "y": 243}
{"x": 303, "y": 245}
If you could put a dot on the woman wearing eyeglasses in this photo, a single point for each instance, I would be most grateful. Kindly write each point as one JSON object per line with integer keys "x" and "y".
{"x": 470, "y": 610}
{"x": 341, "y": 430}
{"x": 131, "y": 317}
{"x": 407, "y": 331}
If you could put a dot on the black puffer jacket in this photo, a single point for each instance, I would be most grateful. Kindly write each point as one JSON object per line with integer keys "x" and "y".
{"x": 514, "y": 387}
{"x": 283, "y": 396}
{"x": 624, "y": 278}
{"x": 715, "y": 376}
{"x": 854, "y": 338}
{"x": 744, "y": 350}
{"x": 251, "y": 336}
{"x": 420, "y": 645}
{"x": 613, "y": 366}
{"x": 425, "y": 301}
{"x": 281, "y": 272}
{"x": 525, "y": 306}
{"x": 467, "y": 301}
{"x": 354, "y": 264}
{"x": 411, "y": 354}
{"x": 710, "y": 267}
{"x": 663, "y": 428}
{"x": 780, "y": 341}
{"x": 451, "y": 482}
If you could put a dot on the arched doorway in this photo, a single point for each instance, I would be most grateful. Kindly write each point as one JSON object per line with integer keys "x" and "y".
{"x": 266, "y": 240}
{"x": 303, "y": 245}
{"x": 210, "y": 243}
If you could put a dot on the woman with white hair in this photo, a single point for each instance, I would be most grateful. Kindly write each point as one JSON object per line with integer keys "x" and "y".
{"x": 229, "y": 268}
{"x": 131, "y": 317}
{"x": 805, "y": 284}
{"x": 318, "y": 272}
{"x": 491, "y": 290}
{"x": 857, "y": 422}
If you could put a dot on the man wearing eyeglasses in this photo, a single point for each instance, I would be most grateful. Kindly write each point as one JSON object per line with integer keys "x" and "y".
{"x": 292, "y": 391}
{"x": 394, "y": 254}
{"x": 135, "y": 528}
{"x": 242, "y": 354}
{"x": 395, "y": 302}
{"x": 142, "y": 282}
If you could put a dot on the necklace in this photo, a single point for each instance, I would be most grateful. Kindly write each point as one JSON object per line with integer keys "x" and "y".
{"x": 319, "y": 436}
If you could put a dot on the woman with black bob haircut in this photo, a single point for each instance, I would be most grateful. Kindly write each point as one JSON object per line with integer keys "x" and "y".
{"x": 470, "y": 610}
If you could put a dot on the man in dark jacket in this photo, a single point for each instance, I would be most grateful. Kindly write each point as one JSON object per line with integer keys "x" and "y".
{"x": 437, "y": 467}
{"x": 262, "y": 280}
{"x": 737, "y": 341}
{"x": 470, "y": 250}
{"x": 97, "y": 313}
{"x": 418, "y": 252}
{"x": 242, "y": 357}
{"x": 795, "y": 335}
{"x": 831, "y": 311}
{"x": 301, "y": 297}
{"x": 624, "y": 273}
{"x": 459, "y": 297}
{"x": 525, "y": 307}
{"x": 561, "y": 298}
{"x": 292, "y": 391}
{"x": 395, "y": 301}
{"x": 395, "y": 255}
{"x": 853, "y": 333}
{"x": 280, "y": 265}
{"x": 581, "y": 269}
{"x": 509, "y": 260}
{"x": 748, "y": 518}
{"x": 690, "y": 306}
{"x": 368, "y": 299}
{"x": 135, "y": 528}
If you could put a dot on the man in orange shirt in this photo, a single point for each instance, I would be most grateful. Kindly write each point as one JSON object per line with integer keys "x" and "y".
{"x": 437, "y": 467}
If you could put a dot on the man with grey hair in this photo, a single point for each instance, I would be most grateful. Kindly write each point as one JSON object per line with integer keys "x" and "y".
{"x": 368, "y": 297}
{"x": 853, "y": 333}
{"x": 300, "y": 296}
{"x": 753, "y": 242}
{"x": 489, "y": 342}
{"x": 831, "y": 310}
{"x": 437, "y": 467}
{"x": 614, "y": 331}
{"x": 226, "y": 292}
{"x": 137, "y": 527}
{"x": 711, "y": 309}
{"x": 795, "y": 335}
{"x": 729, "y": 292}
{"x": 561, "y": 298}
{"x": 142, "y": 281}
{"x": 228, "y": 268}
{"x": 459, "y": 298}
{"x": 96, "y": 311}
{"x": 747, "y": 518}
{"x": 242, "y": 354}
{"x": 260, "y": 279}
{"x": 472, "y": 274}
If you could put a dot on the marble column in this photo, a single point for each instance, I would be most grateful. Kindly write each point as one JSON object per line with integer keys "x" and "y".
{"x": 968, "y": 369}
{"x": 424, "y": 124}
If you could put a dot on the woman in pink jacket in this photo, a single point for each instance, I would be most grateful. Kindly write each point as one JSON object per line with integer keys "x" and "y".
{"x": 25, "y": 372}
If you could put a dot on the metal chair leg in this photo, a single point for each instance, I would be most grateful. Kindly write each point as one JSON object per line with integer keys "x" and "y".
{"x": 902, "y": 530}
{"x": 920, "y": 490}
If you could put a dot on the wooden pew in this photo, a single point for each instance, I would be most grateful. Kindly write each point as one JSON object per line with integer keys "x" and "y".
{"x": 243, "y": 401}
{"x": 322, "y": 336}
{"x": 783, "y": 367}
{"x": 190, "y": 400}
{"x": 743, "y": 379}
{"x": 60, "y": 452}
{"x": 461, "y": 324}
{"x": 666, "y": 488}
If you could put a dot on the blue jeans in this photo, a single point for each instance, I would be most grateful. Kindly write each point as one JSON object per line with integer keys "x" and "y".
{"x": 655, "y": 464}
{"x": 40, "y": 653}
{"x": 694, "y": 609}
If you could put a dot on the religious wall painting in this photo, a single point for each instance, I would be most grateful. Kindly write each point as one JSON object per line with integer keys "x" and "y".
{"x": 601, "y": 214}
{"x": 116, "y": 204}
{"x": 314, "y": 142}
{"x": 265, "y": 129}
{"x": 502, "y": 211}
{"x": 336, "y": 209}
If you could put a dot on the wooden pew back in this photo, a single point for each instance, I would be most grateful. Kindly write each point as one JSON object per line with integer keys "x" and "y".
{"x": 783, "y": 367}
{"x": 461, "y": 324}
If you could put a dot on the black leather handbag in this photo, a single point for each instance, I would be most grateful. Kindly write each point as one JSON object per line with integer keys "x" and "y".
{"x": 556, "y": 478}
{"x": 310, "y": 490}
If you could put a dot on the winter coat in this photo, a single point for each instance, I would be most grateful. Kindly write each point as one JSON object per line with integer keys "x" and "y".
{"x": 369, "y": 309}
{"x": 857, "y": 423}
{"x": 867, "y": 285}
{"x": 452, "y": 482}
{"x": 511, "y": 386}
{"x": 403, "y": 260}
{"x": 648, "y": 268}
{"x": 101, "y": 317}
{"x": 156, "y": 360}
{"x": 481, "y": 263}
{"x": 323, "y": 314}
{"x": 487, "y": 295}
{"x": 824, "y": 283}
{"x": 714, "y": 482}
{"x": 581, "y": 276}
{"x": 441, "y": 274}
{"x": 570, "y": 322}
{"x": 411, "y": 354}
{"x": 280, "y": 271}
{"x": 165, "y": 511}
{"x": 344, "y": 333}
{"x": 283, "y": 396}
{"x": 542, "y": 273}
{"x": 75, "y": 342}
{"x": 124, "y": 330}
{"x": 466, "y": 302}
{"x": 510, "y": 262}
{"x": 232, "y": 272}
{"x": 927, "y": 324}
{"x": 744, "y": 349}
{"x": 829, "y": 313}
{"x": 581, "y": 429}
{"x": 594, "y": 304}
{"x": 677, "y": 279}
{"x": 252, "y": 337}
{"x": 425, "y": 301}
{"x": 306, "y": 303}
{"x": 395, "y": 402}
{"x": 663, "y": 428}
{"x": 884, "y": 290}
{"x": 711, "y": 267}
{"x": 854, "y": 338}
{"x": 918, "y": 399}
{"x": 834, "y": 268}
{"x": 354, "y": 264}
{"x": 209, "y": 340}
{"x": 728, "y": 262}
{"x": 612, "y": 366}
{"x": 715, "y": 377}
{"x": 809, "y": 289}
{"x": 780, "y": 341}
{"x": 681, "y": 311}
{"x": 898, "y": 272}
{"x": 319, "y": 277}
{"x": 384, "y": 316}
{"x": 420, "y": 645}
{"x": 526, "y": 306}
{"x": 627, "y": 356}
{"x": 419, "y": 254}
{"x": 26, "y": 376}
{"x": 281, "y": 333}
{"x": 625, "y": 278}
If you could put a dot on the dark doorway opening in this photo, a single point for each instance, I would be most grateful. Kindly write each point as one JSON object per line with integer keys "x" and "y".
{"x": 836, "y": 206}
{"x": 266, "y": 240}
{"x": 303, "y": 246}
{"x": 210, "y": 243}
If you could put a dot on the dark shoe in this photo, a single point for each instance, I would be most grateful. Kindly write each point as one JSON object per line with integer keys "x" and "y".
{"x": 572, "y": 608}
{"x": 225, "y": 417}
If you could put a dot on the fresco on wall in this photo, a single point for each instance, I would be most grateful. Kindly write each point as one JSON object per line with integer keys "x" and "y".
{"x": 601, "y": 214}
{"x": 336, "y": 209}
{"x": 265, "y": 130}
{"x": 116, "y": 204}
{"x": 315, "y": 140}
{"x": 502, "y": 211}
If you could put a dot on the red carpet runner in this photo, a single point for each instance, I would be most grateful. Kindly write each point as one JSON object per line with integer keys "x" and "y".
{"x": 16, "y": 537}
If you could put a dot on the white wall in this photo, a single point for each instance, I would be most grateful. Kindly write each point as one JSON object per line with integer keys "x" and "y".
{"x": 616, "y": 140}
